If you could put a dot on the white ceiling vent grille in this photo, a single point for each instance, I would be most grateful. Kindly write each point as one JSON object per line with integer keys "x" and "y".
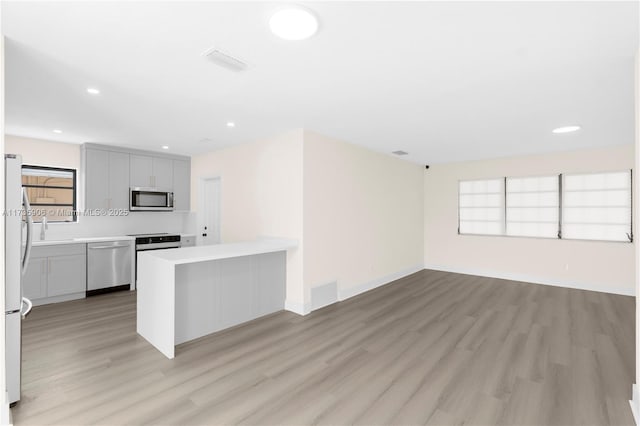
{"x": 225, "y": 60}
{"x": 400, "y": 152}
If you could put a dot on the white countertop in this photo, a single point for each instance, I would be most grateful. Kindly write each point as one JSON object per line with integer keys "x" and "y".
{"x": 221, "y": 251}
{"x": 83, "y": 240}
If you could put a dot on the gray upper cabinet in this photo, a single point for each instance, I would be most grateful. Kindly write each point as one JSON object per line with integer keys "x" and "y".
{"x": 141, "y": 171}
{"x": 96, "y": 168}
{"x": 151, "y": 172}
{"x": 181, "y": 185}
{"x": 118, "y": 180}
{"x": 106, "y": 179}
{"x": 109, "y": 172}
{"x": 163, "y": 173}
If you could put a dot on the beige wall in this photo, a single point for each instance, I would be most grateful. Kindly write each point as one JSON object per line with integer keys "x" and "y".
{"x": 261, "y": 195}
{"x": 40, "y": 152}
{"x": 363, "y": 215}
{"x": 357, "y": 214}
{"x": 592, "y": 265}
{"x": 635, "y": 403}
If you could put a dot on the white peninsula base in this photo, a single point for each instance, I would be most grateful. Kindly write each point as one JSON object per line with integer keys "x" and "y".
{"x": 190, "y": 292}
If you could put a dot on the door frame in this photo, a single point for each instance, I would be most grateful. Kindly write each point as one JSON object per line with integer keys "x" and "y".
{"x": 201, "y": 206}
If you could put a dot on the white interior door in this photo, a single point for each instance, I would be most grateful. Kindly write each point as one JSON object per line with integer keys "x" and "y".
{"x": 209, "y": 226}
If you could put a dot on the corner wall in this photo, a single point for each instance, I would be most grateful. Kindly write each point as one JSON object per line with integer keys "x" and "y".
{"x": 261, "y": 195}
{"x": 363, "y": 218}
{"x": 546, "y": 261}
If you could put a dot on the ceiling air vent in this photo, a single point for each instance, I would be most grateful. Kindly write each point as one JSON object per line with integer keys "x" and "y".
{"x": 225, "y": 60}
{"x": 400, "y": 152}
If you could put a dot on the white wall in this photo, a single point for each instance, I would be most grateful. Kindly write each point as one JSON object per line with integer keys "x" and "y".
{"x": 55, "y": 154}
{"x": 363, "y": 216}
{"x": 43, "y": 152}
{"x": 4, "y": 401}
{"x": 261, "y": 195}
{"x": 598, "y": 266}
{"x": 635, "y": 402}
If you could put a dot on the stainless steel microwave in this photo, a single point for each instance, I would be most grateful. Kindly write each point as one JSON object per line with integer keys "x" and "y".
{"x": 150, "y": 199}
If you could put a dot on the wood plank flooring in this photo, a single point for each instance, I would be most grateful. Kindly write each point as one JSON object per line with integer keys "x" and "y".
{"x": 432, "y": 348}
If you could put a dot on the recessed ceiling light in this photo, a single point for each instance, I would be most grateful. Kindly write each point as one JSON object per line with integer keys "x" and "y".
{"x": 400, "y": 152}
{"x": 57, "y": 131}
{"x": 566, "y": 129}
{"x": 165, "y": 147}
{"x": 231, "y": 124}
{"x": 93, "y": 91}
{"x": 293, "y": 23}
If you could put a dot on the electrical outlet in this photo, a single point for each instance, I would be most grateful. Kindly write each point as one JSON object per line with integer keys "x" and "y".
{"x": 566, "y": 266}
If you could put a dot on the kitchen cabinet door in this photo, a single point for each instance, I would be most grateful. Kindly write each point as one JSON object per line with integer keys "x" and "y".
{"x": 96, "y": 179}
{"x": 181, "y": 185}
{"x": 34, "y": 282}
{"x": 162, "y": 173}
{"x": 235, "y": 297}
{"x": 118, "y": 180}
{"x": 141, "y": 171}
{"x": 67, "y": 274}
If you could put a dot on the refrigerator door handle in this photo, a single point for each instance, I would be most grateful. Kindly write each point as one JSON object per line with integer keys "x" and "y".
{"x": 29, "y": 304}
{"x": 27, "y": 250}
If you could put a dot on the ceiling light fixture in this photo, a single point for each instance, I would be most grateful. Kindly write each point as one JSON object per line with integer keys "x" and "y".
{"x": 231, "y": 124}
{"x": 165, "y": 147}
{"x": 294, "y": 23}
{"x": 58, "y": 131}
{"x": 93, "y": 91}
{"x": 566, "y": 129}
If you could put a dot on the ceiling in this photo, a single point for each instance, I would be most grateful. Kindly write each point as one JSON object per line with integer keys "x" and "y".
{"x": 445, "y": 81}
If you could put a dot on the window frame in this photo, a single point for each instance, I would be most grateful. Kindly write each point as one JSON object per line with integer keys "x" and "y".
{"x": 631, "y": 182}
{"x": 560, "y": 207}
{"x": 74, "y": 187}
{"x": 558, "y": 178}
{"x": 504, "y": 211}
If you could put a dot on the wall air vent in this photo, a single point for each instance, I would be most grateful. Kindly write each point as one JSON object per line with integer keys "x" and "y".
{"x": 225, "y": 60}
{"x": 400, "y": 152}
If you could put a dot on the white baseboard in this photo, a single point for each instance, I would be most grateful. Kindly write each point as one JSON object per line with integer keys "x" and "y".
{"x": 349, "y": 292}
{"x": 618, "y": 289}
{"x": 324, "y": 295}
{"x": 635, "y": 403}
{"x": 297, "y": 307}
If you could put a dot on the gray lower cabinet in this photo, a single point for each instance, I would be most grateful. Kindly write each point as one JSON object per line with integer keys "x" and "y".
{"x": 187, "y": 240}
{"x": 56, "y": 273}
{"x": 214, "y": 295}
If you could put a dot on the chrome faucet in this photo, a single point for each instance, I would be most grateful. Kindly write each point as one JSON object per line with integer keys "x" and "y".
{"x": 44, "y": 227}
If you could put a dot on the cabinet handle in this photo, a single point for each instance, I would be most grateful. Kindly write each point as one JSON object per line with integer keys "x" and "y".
{"x": 49, "y": 265}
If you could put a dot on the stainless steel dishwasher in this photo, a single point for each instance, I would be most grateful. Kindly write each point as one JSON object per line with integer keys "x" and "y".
{"x": 108, "y": 266}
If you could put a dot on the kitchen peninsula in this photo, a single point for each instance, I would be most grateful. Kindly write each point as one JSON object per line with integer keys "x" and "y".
{"x": 190, "y": 292}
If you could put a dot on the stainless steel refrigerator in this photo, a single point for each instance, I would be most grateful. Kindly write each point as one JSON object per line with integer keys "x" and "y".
{"x": 17, "y": 248}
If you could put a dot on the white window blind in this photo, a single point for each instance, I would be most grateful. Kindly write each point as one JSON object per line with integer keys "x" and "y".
{"x": 597, "y": 206}
{"x": 533, "y": 206}
{"x": 481, "y": 207}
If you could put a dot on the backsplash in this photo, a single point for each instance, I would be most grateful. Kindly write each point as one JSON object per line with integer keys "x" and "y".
{"x": 134, "y": 223}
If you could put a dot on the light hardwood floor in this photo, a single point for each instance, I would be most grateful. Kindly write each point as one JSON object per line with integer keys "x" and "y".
{"x": 432, "y": 348}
